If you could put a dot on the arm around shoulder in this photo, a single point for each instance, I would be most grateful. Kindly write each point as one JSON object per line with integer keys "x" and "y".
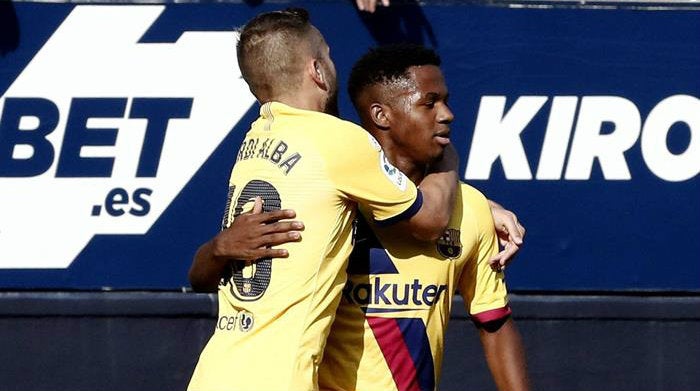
{"x": 250, "y": 237}
{"x": 206, "y": 270}
{"x": 438, "y": 190}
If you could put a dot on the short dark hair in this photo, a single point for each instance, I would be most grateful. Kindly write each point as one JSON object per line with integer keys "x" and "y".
{"x": 268, "y": 49}
{"x": 386, "y": 64}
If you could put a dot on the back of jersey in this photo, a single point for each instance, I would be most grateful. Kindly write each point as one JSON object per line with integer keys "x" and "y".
{"x": 274, "y": 315}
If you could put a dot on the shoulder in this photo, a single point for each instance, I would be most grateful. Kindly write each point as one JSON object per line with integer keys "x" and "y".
{"x": 341, "y": 130}
{"x": 476, "y": 205}
{"x": 310, "y": 119}
{"x": 337, "y": 138}
{"x": 327, "y": 130}
{"x": 473, "y": 198}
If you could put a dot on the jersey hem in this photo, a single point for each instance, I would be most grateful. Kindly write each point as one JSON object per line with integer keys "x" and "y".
{"x": 491, "y": 315}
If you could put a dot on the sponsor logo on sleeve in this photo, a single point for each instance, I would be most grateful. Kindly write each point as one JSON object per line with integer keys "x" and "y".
{"x": 394, "y": 174}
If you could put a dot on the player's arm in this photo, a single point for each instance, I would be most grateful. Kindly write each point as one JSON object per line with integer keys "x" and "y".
{"x": 485, "y": 294}
{"x": 361, "y": 171}
{"x": 438, "y": 190}
{"x": 505, "y": 355}
{"x": 510, "y": 235}
{"x": 247, "y": 238}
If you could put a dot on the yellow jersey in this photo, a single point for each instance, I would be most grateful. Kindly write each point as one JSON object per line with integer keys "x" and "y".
{"x": 275, "y": 315}
{"x": 389, "y": 328}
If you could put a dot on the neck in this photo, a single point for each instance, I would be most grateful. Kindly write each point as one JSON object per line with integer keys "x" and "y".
{"x": 306, "y": 97}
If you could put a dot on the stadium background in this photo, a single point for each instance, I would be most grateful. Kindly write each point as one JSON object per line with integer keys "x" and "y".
{"x": 95, "y": 245}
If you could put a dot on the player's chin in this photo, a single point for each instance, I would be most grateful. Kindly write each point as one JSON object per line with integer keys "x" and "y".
{"x": 440, "y": 147}
{"x": 436, "y": 154}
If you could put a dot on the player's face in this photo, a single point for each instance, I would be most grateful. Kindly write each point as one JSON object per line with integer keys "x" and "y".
{"x": 331, "y": 104}
{"x": 421, "y": 117}
{"x": 329, "y": 68}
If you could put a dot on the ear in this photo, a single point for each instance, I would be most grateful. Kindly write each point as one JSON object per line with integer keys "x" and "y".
{"x": 315, "y": 70}
{"x": 380, "y": 115}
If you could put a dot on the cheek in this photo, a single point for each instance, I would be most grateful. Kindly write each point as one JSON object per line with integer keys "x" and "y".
{"x": 425, "y": 128}
{"x": 415, "y": 128}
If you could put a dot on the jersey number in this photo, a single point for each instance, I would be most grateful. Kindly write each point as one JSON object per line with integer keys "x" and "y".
{"x": 251, "y": 279}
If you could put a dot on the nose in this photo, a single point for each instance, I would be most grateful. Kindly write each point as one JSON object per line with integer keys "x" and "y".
{"x": 445, "y": 115}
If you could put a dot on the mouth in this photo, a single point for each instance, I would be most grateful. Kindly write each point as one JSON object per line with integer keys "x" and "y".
{"x": 442, "y": 138}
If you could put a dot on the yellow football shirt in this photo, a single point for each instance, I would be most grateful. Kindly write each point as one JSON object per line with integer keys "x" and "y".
{"x": 389, "y": 327}
{"x": 274, "y": 315}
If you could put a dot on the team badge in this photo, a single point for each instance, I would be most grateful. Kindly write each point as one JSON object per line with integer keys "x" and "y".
{"x": 246, "y": 320}
{"x": 449, "y": 245}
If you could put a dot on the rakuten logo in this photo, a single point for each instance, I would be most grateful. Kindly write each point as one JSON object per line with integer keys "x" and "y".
{"x": 497, "y": 136}
{"x": 99, "y": 133}
{"x": 397, "y": 296}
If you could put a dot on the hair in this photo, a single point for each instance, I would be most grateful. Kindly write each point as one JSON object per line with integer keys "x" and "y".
{"x": 387, "y": 64}
{"x": 270, "y": 48}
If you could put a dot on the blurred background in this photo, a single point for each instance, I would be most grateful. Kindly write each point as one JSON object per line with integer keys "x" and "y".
{"x": 120, "y": 121}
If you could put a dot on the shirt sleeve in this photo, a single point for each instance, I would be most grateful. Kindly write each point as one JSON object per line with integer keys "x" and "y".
{"x": 484, "y": 290}
{"x": 362, "y": 173}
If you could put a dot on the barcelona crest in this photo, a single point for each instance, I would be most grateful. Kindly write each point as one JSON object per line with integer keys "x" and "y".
{"x": 448, "y": 245}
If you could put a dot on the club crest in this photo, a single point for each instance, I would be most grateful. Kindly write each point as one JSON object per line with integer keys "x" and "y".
{"x": 449, "y": 245}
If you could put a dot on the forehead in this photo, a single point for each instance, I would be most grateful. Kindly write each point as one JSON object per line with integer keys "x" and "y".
{"x": 426, "y": 79}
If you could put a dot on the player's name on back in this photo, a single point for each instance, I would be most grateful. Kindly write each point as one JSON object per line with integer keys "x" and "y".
{"x": 254, "y": 148}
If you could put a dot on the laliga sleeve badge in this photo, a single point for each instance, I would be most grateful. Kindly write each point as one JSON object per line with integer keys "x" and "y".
{"x": 374, "y": 143}
{"x": 246, "y": 321}
{"x": 394, "y": 174}
{"x": 449, "y": 245}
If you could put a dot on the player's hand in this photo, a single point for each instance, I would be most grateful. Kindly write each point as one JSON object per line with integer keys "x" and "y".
{"x": 510, "y": 236}
{"x": 370, "y": 5}
{"x": 251, "y": 234}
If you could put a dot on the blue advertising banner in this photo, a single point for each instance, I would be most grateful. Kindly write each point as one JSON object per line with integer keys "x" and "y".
{"x": 119, "y": 125}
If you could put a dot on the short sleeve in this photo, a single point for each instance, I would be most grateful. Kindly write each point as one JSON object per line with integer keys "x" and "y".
{"x": 484, "y": 290}
{"x": 361, "y": 172}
